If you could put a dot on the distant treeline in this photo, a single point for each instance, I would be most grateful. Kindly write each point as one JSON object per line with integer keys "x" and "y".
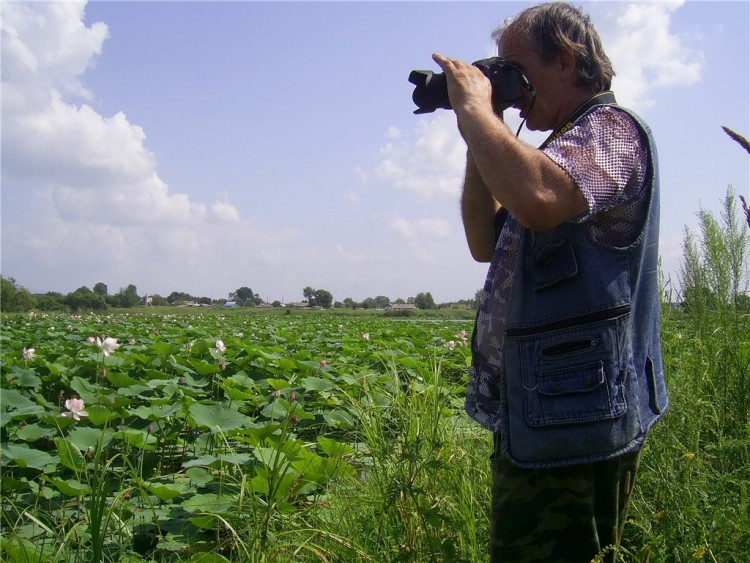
{"x": 16, "y": 298}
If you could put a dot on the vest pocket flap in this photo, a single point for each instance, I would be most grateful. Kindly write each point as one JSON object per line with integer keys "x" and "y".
{"x": 577, "y": 379}
{"x": 553, "y": 261}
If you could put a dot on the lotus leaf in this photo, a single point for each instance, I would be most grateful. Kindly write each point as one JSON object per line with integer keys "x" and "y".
{"x": 217, "y": 417}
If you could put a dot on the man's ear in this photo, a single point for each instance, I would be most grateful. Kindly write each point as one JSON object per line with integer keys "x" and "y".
{"x": 567, "y": 64}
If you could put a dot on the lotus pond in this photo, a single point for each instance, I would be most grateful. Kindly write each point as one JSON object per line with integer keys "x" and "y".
{"x": 202, "y": 436}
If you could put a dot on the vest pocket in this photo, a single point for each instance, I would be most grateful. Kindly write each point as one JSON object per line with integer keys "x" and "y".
{"x": 570, "y": 391}
{"x": 572, "y": 374}
{"x": 574, "y": 394}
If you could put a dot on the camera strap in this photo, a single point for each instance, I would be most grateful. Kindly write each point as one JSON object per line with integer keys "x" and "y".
{"x": 600, "y": 99}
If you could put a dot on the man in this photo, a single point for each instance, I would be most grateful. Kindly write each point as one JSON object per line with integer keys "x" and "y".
{"x": 567, "y": 365}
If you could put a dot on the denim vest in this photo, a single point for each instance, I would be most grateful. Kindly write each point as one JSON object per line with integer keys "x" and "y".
{"x": 583, "y": 370}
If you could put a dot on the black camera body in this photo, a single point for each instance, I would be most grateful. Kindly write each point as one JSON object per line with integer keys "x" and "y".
{"x": 508, "y": 85}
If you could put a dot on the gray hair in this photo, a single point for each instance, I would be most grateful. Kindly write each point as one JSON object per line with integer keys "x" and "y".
{"x": 557, "y": 27}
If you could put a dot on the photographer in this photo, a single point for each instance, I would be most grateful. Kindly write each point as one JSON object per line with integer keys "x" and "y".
{"x": 567, "y": 365}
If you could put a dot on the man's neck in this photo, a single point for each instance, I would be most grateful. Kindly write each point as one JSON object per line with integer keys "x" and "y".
{"x": 594, "y": 99}
{"x": 576, "y": 100}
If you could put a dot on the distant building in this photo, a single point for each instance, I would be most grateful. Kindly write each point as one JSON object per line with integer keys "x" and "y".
{"x": 230, "y": 304}
{"x": 403, "y": 306}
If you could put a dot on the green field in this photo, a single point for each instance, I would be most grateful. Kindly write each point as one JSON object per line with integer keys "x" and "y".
{"x": 316, "y": 436}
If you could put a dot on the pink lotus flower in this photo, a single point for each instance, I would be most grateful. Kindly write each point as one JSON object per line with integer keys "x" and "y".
{"x": 323, "y": 362}
{"x": 463, "y": 335}
{"x": 451, "y": 344}
{"x": 29, "y": 354}
{"x": 108, "y": 345}
{"x": 75, "y": 409}
{"x": 91, "y": 340}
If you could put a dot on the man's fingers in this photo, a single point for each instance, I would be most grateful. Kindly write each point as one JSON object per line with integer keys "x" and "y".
{"x": 456, "y": 65}
{"x": 440, "y": 60}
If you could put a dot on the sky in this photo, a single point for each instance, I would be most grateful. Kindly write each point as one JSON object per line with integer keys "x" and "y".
{"x": 205, "y": 146}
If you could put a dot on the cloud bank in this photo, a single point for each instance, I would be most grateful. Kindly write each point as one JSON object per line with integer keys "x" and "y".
{"x": 648, "y": 56}
{"x": 82, "y": 196}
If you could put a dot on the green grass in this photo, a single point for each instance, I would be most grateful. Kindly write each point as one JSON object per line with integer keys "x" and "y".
{"x": 692, "y": 499}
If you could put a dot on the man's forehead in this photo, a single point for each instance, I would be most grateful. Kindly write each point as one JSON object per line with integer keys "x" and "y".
{"x": 510, "y": 45}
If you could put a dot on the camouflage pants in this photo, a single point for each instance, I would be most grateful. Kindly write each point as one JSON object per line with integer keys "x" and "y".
{"x": 566, "y": 514}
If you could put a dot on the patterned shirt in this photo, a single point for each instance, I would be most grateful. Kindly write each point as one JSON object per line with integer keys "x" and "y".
{"x": 606, "y": 157}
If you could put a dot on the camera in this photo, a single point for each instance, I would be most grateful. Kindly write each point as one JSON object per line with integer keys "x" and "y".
{"x": 508, "y": 85}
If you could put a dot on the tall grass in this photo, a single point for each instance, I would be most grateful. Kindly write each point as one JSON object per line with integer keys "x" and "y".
{"x": 692, "y": 502}
{"x": 421, "y": 494}
{"x": 692, "y": 497}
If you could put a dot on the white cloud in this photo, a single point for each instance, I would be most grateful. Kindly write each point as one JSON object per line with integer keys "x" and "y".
{"x": 47, "y": 46}
{"x": 61, "y": 255}
{"x": 81, "y": 191}
{"x": 74, "y": 145}
{"x": 222, "y": 211}
{"x": 647, "y": 55}
{"x": 146, "y": 201}
{"x": 421, "y": 228}
{"x": 361, "y": 174}
{"x": 429, "y": 162}
{"x": 393, "y": 132}
{"x": 348, "y": 256}
{"x": 94, "y": 168}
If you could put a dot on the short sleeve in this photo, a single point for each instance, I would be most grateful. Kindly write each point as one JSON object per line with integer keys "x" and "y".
{"x": 606, "y": 156}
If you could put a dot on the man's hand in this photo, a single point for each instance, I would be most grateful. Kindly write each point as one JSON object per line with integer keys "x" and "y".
{"x": 467, "y": 85}
{"x": 521, "y": 178}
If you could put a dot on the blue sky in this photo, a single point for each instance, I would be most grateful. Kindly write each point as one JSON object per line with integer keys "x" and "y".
{"x": 205, "y": 146}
